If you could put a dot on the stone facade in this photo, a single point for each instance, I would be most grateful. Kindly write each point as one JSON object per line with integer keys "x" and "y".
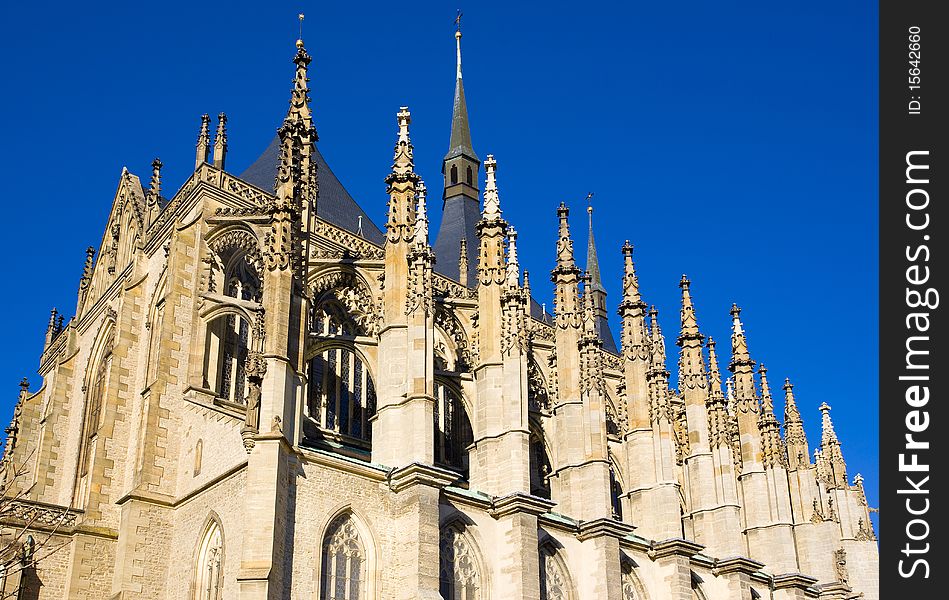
{"x": 262, "y": 396}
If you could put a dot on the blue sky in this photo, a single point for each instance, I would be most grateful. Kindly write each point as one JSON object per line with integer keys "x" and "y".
{"x": 732, "y": 141}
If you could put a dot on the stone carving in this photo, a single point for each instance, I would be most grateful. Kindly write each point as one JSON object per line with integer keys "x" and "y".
{"x": 359, "y": 247}
{"x": 554, "y": 583}
{"x": 538, "y": 398}
{"x": 352, "y": 293}
{"x": 447, "y": 322}
{"x": 840, "y": 566}
{"x": 458, "y": 569}
{"x": 244, "y": 190}
{"x": 26, "y": 511}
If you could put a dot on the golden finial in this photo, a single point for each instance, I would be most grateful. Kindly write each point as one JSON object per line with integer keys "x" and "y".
{"x": 300, "y": 39}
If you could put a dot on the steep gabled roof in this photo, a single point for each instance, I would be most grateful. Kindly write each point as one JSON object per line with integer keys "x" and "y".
{"x": 335, "y": 204}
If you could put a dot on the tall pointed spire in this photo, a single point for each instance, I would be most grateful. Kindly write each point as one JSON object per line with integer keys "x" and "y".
{"x": 595, "y": 289}
{"x": 402, "y": 181}
{"x": 564, "y": 241}
{"x": 767, "y": 402}
{"x": 492, "y": 201}
{"x": 220, "y": 141}
{"x": 463, "y": 260}
{"x": 513, "y": 269}
{"x": 204, "y": 142}
{"x": 421, "y": 216}
{"x": 718, "y": 418}
{"x": 593, "y": 265}
{"x": 794, "y": 437}
{"x": 460, "y": 142}
{"x": 830, "y": 449}
{"x": 772, "y": 447}
{"x": 460, "y": 168}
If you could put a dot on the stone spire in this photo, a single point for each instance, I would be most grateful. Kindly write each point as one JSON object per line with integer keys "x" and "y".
{"x": 51, "y": 328}
{"x": 633, "y": 311}
{"x": 830, "y": 449}
{"x": 421, "y": 216}
{"x": 86, "y": 280}
{"x": 296, "y": 186}
{"x": 402, "y": 179}
{"x": 691, "y": 363}
{"x": 463, "y": 261}
{"x": 718, "y": 420}
{"x": 154, "y": 192}
{"x": 596, "y": 289}
{"x": 460, "y": 168}
{"x": 565, "y": 275}
{"x": 658, "y": 374}
{"x": 742, "y": 366}
{"x": 772, "y": 447}
{"x": 746, "y": 397}
{"x": 492, "y": 202}
{"x": 204, "y": 143}
{"x": 220, "y": 141}
{"x": 794, "y": 436}
{"x": 513, "y": 269}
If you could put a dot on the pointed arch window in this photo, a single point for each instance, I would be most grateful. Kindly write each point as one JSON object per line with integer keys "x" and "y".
{"x": 454, "y": 174}
{"x": 344, "y": 569}
{"x": 452, "y": 428}
{"x": 459, "y": 571}
{"x": 555, "y": 583}
{"x": 469, "y": 176}
{"x": 95, "y": 398}
{"x": 616, "y": 494}
{"x": 631, "y": 585}
{"x": 229, "y": 340}
{"x": 341, "y": 396}
{"x": 209, "y": 580}
{"x": 539, "y": 465}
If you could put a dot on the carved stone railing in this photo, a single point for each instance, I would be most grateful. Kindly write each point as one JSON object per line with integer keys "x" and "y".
{"x": 38, "y": 513}
{"x": 359, "y": 247}
{"x": 244, "y": 190}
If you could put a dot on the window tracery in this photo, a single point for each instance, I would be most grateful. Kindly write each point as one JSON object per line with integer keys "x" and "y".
{"x": 344, "y": 566}
{"x": 341, "y": 395}
{"x": 452, "y": 428}
{"x": 459, "y": 575}
{"x": 539, "y": 465}
{"x": 555, "y": 581}
{"x": 209, "y": 581}
{"x": 229, "y": 340}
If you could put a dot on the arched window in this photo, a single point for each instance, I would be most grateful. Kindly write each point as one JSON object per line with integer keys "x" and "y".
{"x": 454, "y": 174}
{"x": 208, "y": 579}
{"x": 469, "y": 177}
{"x": 459, "y": 573}
{"x": 96, "y": 387}
{"x": 242, "y": 280}
{"x": 452, "y": 428}
{"x": 539, "y": 466}
{"x": 555, "y": 581}
{"x": 341, "y": 396}
{"x": 616, "y": 495}
{"x": 329, "y": 319}
{"x": 697, "y": 593}
{"x": 632, "y": 588}
{"x": 225, "y": 367}
{"x": 343, "y": 573}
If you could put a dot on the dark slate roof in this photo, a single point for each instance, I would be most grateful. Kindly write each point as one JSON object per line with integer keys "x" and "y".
{"x": 606, "y": 336}
{"x": 459, "y": 217}
{"x": 335, "y": 204}
{"x": 460, "y": 142}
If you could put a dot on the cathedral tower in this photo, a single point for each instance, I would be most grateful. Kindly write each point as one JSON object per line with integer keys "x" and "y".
{"x": 460, "y": 210}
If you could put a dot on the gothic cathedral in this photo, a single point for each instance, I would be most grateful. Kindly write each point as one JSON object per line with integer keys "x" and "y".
{"x": 263, "y": 395}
